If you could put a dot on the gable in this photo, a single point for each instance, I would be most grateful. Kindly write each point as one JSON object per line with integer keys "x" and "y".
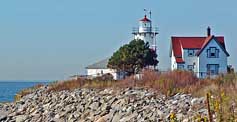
{"x": 220, "y": 43}
{"x": 180, "y": 43}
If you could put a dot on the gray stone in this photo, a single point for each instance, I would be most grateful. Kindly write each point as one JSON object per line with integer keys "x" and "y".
{"x": 197, "y": 101}
{"x": 180, "y": 116}
{"x": 116, "y": 117}
{"x": 102, "y": 119}
{"x": 130, "y": 109}
{"x": 21, "y": 118}
{"x": 57, "y": 116}
{"x": 106, "y": 107}
{"x": 132, "y": 104}
{"x": 3, "y": 117}
{"x": 160, "y": 113}
{"x": 129, "y": 118}
{"x": 94, "y": 106}
{"x": 203, "y": 111}
{"x": 175, "y": 102}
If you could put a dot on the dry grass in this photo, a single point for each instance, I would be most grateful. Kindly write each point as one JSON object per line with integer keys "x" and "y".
{"x": 65, "y": 85}
{"x": 168, "y": 83}
{"x": 80, "y": 83}
{"x": 26, "y": 91}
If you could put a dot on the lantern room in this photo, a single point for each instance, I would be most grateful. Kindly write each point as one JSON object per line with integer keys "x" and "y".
{"x": 145, "y": 25}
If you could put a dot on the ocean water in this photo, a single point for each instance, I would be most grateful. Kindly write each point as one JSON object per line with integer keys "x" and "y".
{"x": 8, "y": 89}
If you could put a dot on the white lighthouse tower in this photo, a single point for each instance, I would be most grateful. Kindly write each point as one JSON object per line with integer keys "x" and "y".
{"x": 145, "y": 32}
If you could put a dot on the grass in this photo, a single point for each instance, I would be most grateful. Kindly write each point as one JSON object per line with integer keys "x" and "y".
{"x": 26, "y": 91}
{"x": 80, "y": 83}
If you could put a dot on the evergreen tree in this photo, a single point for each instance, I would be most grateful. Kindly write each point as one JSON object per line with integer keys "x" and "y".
{"x": 133, "y": 57}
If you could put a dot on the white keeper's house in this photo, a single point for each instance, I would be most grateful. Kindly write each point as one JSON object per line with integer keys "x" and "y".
{"x": 205, "y": 56}
{"x": 100, "y": 68}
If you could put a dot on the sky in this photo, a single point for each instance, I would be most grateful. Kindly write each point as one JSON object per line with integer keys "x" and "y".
{"x": 54, "y": 39}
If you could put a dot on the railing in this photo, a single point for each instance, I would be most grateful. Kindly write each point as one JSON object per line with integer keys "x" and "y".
{"x": 144, "y": 30}
{"x": 135, "y": 31}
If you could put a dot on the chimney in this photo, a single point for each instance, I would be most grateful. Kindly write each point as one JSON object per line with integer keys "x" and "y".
{"x": 208, "y": 31}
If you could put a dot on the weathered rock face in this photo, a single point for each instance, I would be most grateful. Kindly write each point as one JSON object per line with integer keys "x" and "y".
{"x": 108, "y": 105}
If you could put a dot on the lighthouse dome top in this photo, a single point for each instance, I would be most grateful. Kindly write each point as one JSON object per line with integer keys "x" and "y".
{"x": 145, "y": 19}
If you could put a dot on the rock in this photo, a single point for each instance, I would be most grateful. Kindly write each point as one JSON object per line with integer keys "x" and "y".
{"x": 180, "y": 116}
{"x": 57, "y": 116}
{"x": 3, "y": 117}
{"x": 116, "y": 117}
{"x": 203, "y": 111}
{"x": 197, "y": 101}
{"x": 132, "y": 104}
{"x": 194, "y": 101}
{"x": 113, "y": 100}
{"x": 175, "y": 102}
{"x": 21, "y": 118}
{"x": 102, "y": 119}
{"x": 106, "y": 107}
{"x": 160, "y": 113}
{"x": 128, "y": 118}
{"x": 94, "y": 105}
{"x": 109, "y": 117}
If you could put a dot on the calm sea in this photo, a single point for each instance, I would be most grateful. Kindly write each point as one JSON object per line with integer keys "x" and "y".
{"x": 8, "y": 89}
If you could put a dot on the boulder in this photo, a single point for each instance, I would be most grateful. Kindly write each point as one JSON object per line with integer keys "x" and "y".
{"x": 101, "y": 119}
{"x": 21, "y": 118}
{"x": 3, "y": 117}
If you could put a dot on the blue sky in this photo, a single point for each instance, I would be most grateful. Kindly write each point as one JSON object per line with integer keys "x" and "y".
{"x": 53, "y": 39}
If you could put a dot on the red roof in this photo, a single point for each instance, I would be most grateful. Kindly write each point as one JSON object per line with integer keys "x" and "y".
{"x": 179, "y": 60}
{"x": 193, "y": 43}
{"x": 145, "y": 19}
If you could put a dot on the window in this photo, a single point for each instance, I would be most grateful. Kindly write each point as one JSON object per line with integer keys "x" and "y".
{"x": 180, "y": 67}
{"x": 144, "y": 24}
{"x": 190, "y": 67}
{"x": 212, "y": 69}
{"x": 212, "y": 52}
{"x": 190, "y": 52}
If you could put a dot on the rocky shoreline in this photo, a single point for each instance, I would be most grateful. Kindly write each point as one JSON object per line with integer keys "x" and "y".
{"x": 107, "y": 105}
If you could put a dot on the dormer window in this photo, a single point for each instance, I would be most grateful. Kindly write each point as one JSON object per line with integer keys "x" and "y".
{"x": 190, "y": 53}
{"x": 213, "y": 52}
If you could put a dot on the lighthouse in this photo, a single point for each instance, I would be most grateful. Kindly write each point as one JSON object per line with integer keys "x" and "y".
{"x": 146, "y": 32}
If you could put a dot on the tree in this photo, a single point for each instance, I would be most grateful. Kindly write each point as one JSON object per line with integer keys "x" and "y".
{"x": 133, "y": 57}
